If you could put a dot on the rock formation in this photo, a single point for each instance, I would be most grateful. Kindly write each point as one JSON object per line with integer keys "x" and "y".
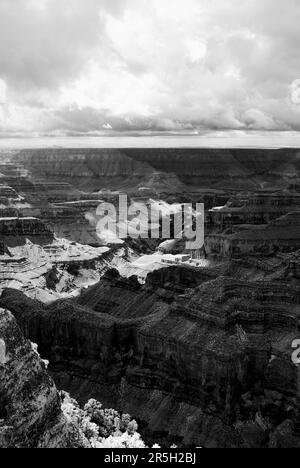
{"x": 281, "y": 235}
{"x": 200, "y": 366}
{"x": 233, "y": 169}
{"x": 30, "y": 405}
{"x": 254, "y": 209}
{"x": 30, "y": 228}
{"x": 43, "y": 266}
{"x": 200, "y": 355}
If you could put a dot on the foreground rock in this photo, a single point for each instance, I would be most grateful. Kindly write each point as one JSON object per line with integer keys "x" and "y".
{"x": 30, "y": 405}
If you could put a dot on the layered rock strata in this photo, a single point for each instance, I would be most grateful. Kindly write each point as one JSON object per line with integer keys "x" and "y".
{"x": 206, "y": 168}
{"x": 30, "y": 405}
{"x": 256, "y": 209}
{"x": 281, "y": 235}
{"x": 199, "y": 366}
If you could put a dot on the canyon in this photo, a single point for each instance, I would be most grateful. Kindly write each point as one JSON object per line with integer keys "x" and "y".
{"x": 229, "y": 169}
{"x": 198, "y": 352}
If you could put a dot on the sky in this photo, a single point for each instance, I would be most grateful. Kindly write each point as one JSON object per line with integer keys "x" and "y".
{"x": 177, "y": 67}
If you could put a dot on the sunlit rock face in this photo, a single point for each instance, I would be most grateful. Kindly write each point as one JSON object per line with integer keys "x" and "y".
{"x": 30, "y": 406}
{"x": 209, "y": 353}
{"x": 32, "y": 259}
{"x": 48, "y": 248}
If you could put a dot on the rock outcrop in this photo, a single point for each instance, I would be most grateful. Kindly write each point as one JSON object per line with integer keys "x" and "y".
{"x": 13, "y": 229}
{"x": 253, "y": 209}
{"x": 30, "y": 405}
{"x": 22, "y": 227}
{"x": 292, "y": 262}
{"x": 281, "y": 235}
{"x": 49, "y": 268}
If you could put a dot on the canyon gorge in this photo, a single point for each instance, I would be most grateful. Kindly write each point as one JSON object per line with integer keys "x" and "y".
{"x": 199, "y": 351}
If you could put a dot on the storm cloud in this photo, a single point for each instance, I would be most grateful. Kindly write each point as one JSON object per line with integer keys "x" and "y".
{"x": 148, "y": 65}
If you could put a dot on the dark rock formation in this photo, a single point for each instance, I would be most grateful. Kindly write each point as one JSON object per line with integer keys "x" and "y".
{"x": 293, "y": 265}
{"x": 209, "y": 365}
{"x": 25, "y": 227}
{"x": 198, "y": 356}
{"x": 233, "y": 169}
{"x": 257, "y": 208}
{"x": 281, "y": 235}
{"x": 83, "y": 168}
{"x": 30, "y": 405}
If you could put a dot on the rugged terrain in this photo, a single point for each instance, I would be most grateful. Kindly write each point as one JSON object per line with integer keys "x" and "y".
{"x": 232, "y": 169}
{"x": 200, "y": 359}
{"x": 30, "y": 405}
{"x": 199, "y": 353}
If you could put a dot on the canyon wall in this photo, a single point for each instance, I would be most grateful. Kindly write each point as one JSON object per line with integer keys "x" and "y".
{"x": 30, "y": 405}
{"x": 201, "y": 366}
{"x": 198, "y": 356}
{"x": 26, "y": 227}
{"x": 282, "y": 235}
{"x": 206, "y": 168}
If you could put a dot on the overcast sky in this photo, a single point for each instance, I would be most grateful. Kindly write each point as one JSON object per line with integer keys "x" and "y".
{"x": 79, "y": 66}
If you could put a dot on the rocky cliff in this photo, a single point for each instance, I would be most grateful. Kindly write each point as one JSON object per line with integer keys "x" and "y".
{"x": 230, "y": 169}
{"x": 282, "y": 235}
{"x": 253, "y": 209}
{"x": 201, "y": 365}
{"x": 84, "y": 168}
{"x": 45, "y": 267}
{"x": 30, "y": 405}
{"x": 200, "y": 356}
{"x": 15, "y": 230}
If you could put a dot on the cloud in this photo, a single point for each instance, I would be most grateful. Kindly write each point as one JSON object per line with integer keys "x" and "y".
{"x": 107, "y": 126}
{"x": 154, "y": 65}
{"x": 2, "y": 92}
{"x": 45, "y": 43}
{"x": 295, "y": 92}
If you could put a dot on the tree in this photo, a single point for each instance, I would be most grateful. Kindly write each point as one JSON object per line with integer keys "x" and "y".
{"x": 102, "y": 428}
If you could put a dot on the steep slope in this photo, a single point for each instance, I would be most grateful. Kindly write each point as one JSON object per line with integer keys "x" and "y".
{"x": 281, "y": 235}
{"x": 231, "y": 169}
{"x": 90, "y": 169}
{"x": 30, "y": 405}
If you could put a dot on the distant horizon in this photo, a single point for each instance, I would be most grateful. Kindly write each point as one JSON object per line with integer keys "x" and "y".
{"x": 217, "y": 140}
